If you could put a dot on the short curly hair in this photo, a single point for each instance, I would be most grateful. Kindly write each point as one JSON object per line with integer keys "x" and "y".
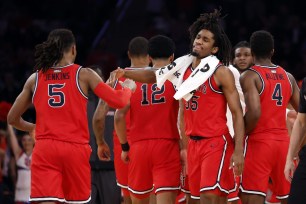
{"x": 262, "y": 44}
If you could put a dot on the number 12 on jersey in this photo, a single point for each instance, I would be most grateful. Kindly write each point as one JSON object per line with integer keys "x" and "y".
{"x": 156, "y": 96}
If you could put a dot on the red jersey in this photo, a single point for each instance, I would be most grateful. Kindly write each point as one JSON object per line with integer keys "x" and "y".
{"x": 154, "y": 112}
{"x": 205, "y": 112}
{"x": 61, "y": 106}
{"x": 274, "y": 98}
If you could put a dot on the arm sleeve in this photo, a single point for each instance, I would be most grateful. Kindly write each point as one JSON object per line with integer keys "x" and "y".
{"x": 114, "y": 98}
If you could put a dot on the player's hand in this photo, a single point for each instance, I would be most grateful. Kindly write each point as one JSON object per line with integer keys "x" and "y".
{"x": 184, "y": 161}
{"x": 32, "y": 133}
{"x": 289, "y": 170}
{"x": 125, "y": 156}
{"x": 128, "y": 83}
{"x": 237, "y": 163}
{"x": 103, "y": 152}
{"x": 112, "y": 79}
{"x": 119, "y": 73}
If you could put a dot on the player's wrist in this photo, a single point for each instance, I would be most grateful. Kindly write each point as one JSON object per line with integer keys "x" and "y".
{"x": 125, "y": 147}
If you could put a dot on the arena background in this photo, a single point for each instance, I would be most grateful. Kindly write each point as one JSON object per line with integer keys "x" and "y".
{"x": 103, "y": 29}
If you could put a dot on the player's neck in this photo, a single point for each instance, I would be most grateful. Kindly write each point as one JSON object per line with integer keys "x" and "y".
{"x": 263, "y": 62}
{"x": 160, "y": 63}
{"x": 139, "y": 62}
{"x": 63, "y": 62}
{"x": 196, "y": 62}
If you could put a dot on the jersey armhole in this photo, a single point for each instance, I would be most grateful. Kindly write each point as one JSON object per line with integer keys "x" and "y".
{"x": 291, "y": 85}
{"x": 262, "y": 81}
{"x": 35, "y": 86}
{"x": 78, "y": 84}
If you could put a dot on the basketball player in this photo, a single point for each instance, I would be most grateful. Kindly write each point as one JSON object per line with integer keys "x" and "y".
{"x": 154, "y": 154}
{"x": 268, "y": 89}
{"x": 58, "y": 89}
{"x": 138, "y": 55}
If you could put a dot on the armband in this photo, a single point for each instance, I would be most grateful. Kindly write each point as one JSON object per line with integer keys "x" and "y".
{"x": 125, "y": 147}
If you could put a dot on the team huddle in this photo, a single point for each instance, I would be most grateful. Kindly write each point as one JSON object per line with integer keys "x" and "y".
{"x": 209, "y": 124}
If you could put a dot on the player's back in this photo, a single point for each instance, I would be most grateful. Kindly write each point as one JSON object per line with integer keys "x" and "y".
{"x": 153, "y": 112}
{"x": 274, "y": 98}
{"x": 61, "y": 106}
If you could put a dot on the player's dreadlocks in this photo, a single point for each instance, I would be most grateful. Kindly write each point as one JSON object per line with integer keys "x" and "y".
{"x": 51, "y": 51}
{"x": 211, "y": 22}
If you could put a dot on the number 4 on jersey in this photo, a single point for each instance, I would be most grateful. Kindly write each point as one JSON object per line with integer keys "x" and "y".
{"x": 277, "y": 94}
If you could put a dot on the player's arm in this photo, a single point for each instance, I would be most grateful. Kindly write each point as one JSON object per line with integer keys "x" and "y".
{"x": 98, "y": 124}
{"x": 120, "y": 124}
{"x": 295, "y": 97}
{"x": 13, "y": 141}
{"x": 183, "y": 138}
{"x": 296, "y": 139}
{"x": 98, "y": 121}
{"x": 21, "y": 104}
{"x": 143, "y": 75}
{"x": 114, "y": 98}
{"x": 120, "y": 128}
{"x": 227, "y": 82}
{"x": 252, "y": 99}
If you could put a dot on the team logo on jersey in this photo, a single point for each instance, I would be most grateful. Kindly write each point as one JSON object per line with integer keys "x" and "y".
{"x": 57, "y": 71}
{"x": 202, "y": 88}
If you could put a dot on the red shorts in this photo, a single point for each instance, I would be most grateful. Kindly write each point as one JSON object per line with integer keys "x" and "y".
{"x": 208, "y": 166}
{"x": 271, "y": 197}
{"x": 185, "y": 184}
{"x": 60, "y": 172}
{"x": 265, "y": 159}
{"x": 234, "y": 194}
{"x": 157, "y": 162}
{"x": 121, "y": 168}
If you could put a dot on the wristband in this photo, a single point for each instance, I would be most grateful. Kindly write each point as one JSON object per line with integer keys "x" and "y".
{"x": 125, "y": 147}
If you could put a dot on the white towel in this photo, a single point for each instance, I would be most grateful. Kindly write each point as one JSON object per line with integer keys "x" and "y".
{"x": 174, "y": 72}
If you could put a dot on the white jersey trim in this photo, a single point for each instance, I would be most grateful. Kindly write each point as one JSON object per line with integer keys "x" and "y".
{"x": 35, "y": 86}
{"x": 140, "y": 192}
{"x": 121, "y": 185}
{"x": 262, "y": 81}
{"x": 291, "y": 85}
{"x": 59, "y": 200}
{"x": 62, "y": 66}
{"x": 252, "y": 192}
{"x": 77, "y": 82}
{"x": 167, "y": 189}
{"x": 233, "y": 199}
{"x": 282, "y": 197}
{"x": 195, "y": 197}
{"x": 185, "y": 191}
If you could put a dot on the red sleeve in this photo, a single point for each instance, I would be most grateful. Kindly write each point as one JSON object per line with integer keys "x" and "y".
{"x": 114, "y": 98}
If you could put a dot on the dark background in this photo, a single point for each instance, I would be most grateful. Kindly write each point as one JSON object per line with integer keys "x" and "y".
{"x": 103, "y": 29}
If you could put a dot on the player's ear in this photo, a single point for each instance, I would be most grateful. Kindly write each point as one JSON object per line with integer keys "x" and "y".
{"x": 171, "y": 58}
{"x": 214, "y": 50}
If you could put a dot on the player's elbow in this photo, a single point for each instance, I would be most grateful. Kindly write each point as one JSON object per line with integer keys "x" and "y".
{"x": 119, "y": 116}
{"x": 11, "y": 118}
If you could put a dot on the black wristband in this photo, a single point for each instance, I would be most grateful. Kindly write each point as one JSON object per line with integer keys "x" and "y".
{"x": 125, "y": 147}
